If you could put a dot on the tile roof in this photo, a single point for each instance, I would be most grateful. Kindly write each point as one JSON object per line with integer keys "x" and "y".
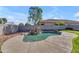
{"x": 60, "y": 20}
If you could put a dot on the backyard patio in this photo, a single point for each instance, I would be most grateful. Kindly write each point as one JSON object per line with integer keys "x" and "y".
{"x": 39, "y": 35}
{"x": 52, "y": 44}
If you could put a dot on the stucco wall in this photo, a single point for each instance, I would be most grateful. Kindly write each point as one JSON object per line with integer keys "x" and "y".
{"x": 43, "y": 27}
{"x": 1, "y": 28}
{"x": 50, "y": 27}
{"x": 75, "y": 27}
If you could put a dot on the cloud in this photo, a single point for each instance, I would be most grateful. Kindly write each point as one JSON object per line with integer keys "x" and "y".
{"x": 55, "y": 18}
{"x": 76, "y": 14}
{"x": 12, "y": 16}
{"x": 59, "y": 17}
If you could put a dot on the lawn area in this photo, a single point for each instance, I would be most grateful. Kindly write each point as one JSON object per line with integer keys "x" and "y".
{"x": 75, "y": 41}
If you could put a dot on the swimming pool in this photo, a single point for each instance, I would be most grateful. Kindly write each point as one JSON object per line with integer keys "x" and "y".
{"x": 38, "y": 37}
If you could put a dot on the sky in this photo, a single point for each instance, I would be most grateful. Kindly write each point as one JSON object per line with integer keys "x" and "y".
{"x": 19, "y": 14}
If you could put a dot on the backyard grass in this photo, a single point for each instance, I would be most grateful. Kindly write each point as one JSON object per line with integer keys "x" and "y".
{"x": 75, "y": 41}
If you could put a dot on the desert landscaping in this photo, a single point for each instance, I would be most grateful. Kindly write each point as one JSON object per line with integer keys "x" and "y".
{"x": 38, "y": 35}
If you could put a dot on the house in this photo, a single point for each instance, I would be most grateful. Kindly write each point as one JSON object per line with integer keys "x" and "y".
{"x": 53, "y": 21}
{"x": 50, "y": 24}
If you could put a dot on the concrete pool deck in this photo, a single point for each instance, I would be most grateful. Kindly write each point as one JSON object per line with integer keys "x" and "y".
{"x": 53, "y": 44}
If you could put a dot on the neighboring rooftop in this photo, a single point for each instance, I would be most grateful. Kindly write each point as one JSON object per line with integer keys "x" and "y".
{"x": 53, "y": 21}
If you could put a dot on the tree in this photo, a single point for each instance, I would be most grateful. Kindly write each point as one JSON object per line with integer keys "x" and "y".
{"x": 3, "y": 20}
{"x": 21, "y": 27}
{"x": 0, "y": 21}
{"x": 35, "y": 15}
{"x": 27, "y": 24}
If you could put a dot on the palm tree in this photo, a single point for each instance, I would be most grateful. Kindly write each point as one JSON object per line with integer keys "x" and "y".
{"x": 35, "y": 15}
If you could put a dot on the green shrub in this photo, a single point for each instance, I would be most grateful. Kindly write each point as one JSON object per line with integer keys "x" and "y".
{"x": 3, "y": 20}
{"x": 60, "y": 23}
{"x": 0, "y": 21}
